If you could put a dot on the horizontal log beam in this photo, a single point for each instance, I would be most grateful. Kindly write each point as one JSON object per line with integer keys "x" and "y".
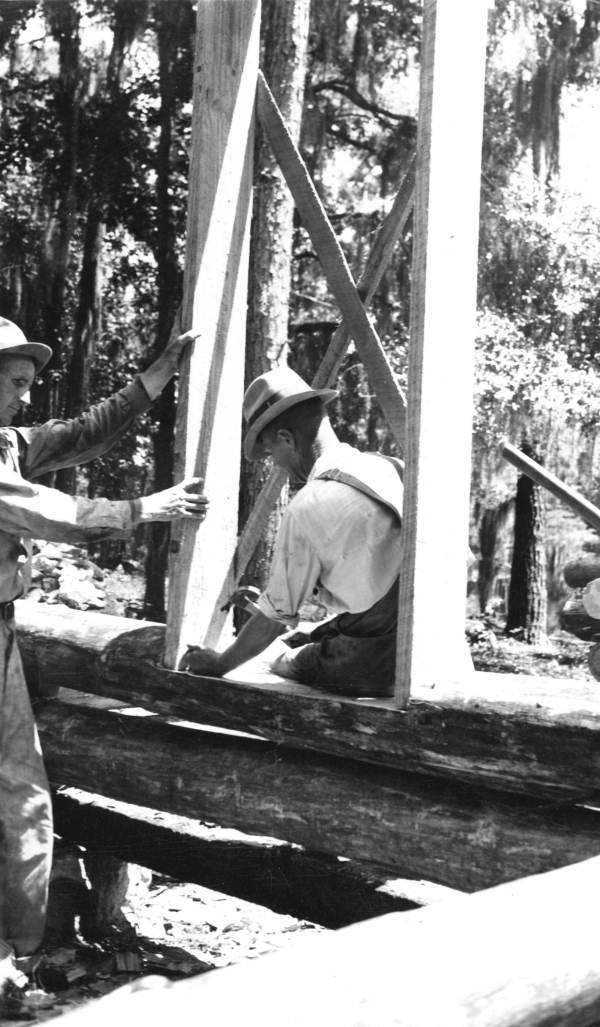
{"x": 520, "y": 954}
{"x": 284, "y": 877}
{"x": 507, "y": 732}
{"x": 416, "y": 826}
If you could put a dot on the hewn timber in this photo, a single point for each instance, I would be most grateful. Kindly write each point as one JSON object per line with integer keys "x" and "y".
{"x": 421, "y": 827}
{"x": 284, "y": 877}
{"x": 508, "y": 732}
{"x": 208, "y": 430}
{"x": 441, "y": 347}
{"x": 521, "y": 955}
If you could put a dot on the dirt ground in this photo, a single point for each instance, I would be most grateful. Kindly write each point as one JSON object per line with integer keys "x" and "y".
{"x": 178, "y": 930}
{"x": 560, "y": 656}
{"x": 172, "y": 929}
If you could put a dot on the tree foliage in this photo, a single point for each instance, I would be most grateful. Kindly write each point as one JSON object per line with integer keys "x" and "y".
{"x": 94, "y": 136}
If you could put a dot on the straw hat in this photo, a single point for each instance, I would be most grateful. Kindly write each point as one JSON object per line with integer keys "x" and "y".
{"x": 13, "y": 341}
{"x": 268, "y": 396}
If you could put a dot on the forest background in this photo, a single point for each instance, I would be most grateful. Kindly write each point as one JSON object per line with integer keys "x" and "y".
{"x": 95, "y": 113}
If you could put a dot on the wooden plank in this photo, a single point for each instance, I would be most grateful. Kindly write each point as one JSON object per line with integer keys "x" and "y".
{"x": 439, "y": 428}
{"x": 389, "y": 394}
{"x": 521, "y": 955}
{"x": 272, "y": 873}
{"x": 211, "y": 384}
{"x": 377, "y": 261}
{"x": 417, "y": 826}
{"x": 503, "y": 731}
{"x": 573, "y": 499}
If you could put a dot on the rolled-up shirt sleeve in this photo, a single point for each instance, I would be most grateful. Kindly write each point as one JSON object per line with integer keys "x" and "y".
{"x": 40, "y": 512}
{"x": 69, "y": 443}
{"x": 294, "y": 573}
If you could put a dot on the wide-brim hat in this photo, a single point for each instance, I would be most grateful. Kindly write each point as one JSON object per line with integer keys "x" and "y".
{"x": 13, "y": 341}
{"x": 268, "y": 396}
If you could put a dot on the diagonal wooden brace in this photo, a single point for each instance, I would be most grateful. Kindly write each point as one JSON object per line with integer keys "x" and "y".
{"x": 315, "y": 220}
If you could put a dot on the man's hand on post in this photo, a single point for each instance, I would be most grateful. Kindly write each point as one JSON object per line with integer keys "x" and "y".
{"x": 178, "y": 342}
{"x": 183, "y": 501}
{"x": 164, "y": 367}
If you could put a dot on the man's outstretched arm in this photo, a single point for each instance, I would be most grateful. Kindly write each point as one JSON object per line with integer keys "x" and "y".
{"x": 256, "y": 635}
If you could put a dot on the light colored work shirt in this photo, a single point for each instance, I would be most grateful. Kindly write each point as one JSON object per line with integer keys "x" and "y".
{"x": 336, "y": 540}
{"x": 30, "y": 511}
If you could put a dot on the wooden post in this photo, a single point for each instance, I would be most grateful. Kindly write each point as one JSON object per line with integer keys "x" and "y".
{"x": 431, "y": 645}
{"x": 208, "y": 432}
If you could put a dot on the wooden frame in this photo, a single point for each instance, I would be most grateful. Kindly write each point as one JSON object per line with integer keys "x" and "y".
{"x": 441, "y": 351}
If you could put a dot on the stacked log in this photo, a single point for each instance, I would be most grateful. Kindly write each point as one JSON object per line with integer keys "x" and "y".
{"x": 466, "y": 788}
{"x": 581, "y": 613}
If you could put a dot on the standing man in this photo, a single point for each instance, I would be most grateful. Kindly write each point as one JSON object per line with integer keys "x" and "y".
{"x": 339, "y": 541}
{"x": 33, "y": 511}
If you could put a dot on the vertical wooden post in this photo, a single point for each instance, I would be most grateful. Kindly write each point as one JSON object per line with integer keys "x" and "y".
{"x": 431, "y": 644}
{"x": 207, "y": 438}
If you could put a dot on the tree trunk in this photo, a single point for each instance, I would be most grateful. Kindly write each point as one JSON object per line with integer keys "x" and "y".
{"x": 87, "y": 325}
{"x": 284, "y": 35}
{"x": 174, "y": 25}
{"x": 527, "y": 600}
{"x": 492, "y": 521}
{"x": 63, "y": 20}
{"x": 128, "y": 22}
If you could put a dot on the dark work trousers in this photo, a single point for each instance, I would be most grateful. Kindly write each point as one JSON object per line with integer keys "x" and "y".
{"x": 353, "y": 654}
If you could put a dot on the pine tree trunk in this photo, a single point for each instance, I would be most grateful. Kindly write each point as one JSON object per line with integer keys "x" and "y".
{"x": 284, "y": 35}
{"x": 527, "y": 600}
{"x": 492, "y": 521}
{"x": 85, "y": 335}
{"x": 89, "y": 306}
{"x": 63, "y": 20}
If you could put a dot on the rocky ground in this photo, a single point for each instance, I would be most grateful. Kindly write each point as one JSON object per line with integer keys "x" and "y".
{"x": 175, "y": 929}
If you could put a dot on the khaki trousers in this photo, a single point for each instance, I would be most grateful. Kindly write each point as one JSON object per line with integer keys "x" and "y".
{"x": 25, "y": 808}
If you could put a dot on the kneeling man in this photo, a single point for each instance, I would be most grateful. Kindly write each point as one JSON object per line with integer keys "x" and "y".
{"x": 339, "y": 543}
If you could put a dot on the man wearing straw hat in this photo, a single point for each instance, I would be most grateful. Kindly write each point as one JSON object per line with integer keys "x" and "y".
{"x": 33, "y": 511}
{"x": 339, "y": 541}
